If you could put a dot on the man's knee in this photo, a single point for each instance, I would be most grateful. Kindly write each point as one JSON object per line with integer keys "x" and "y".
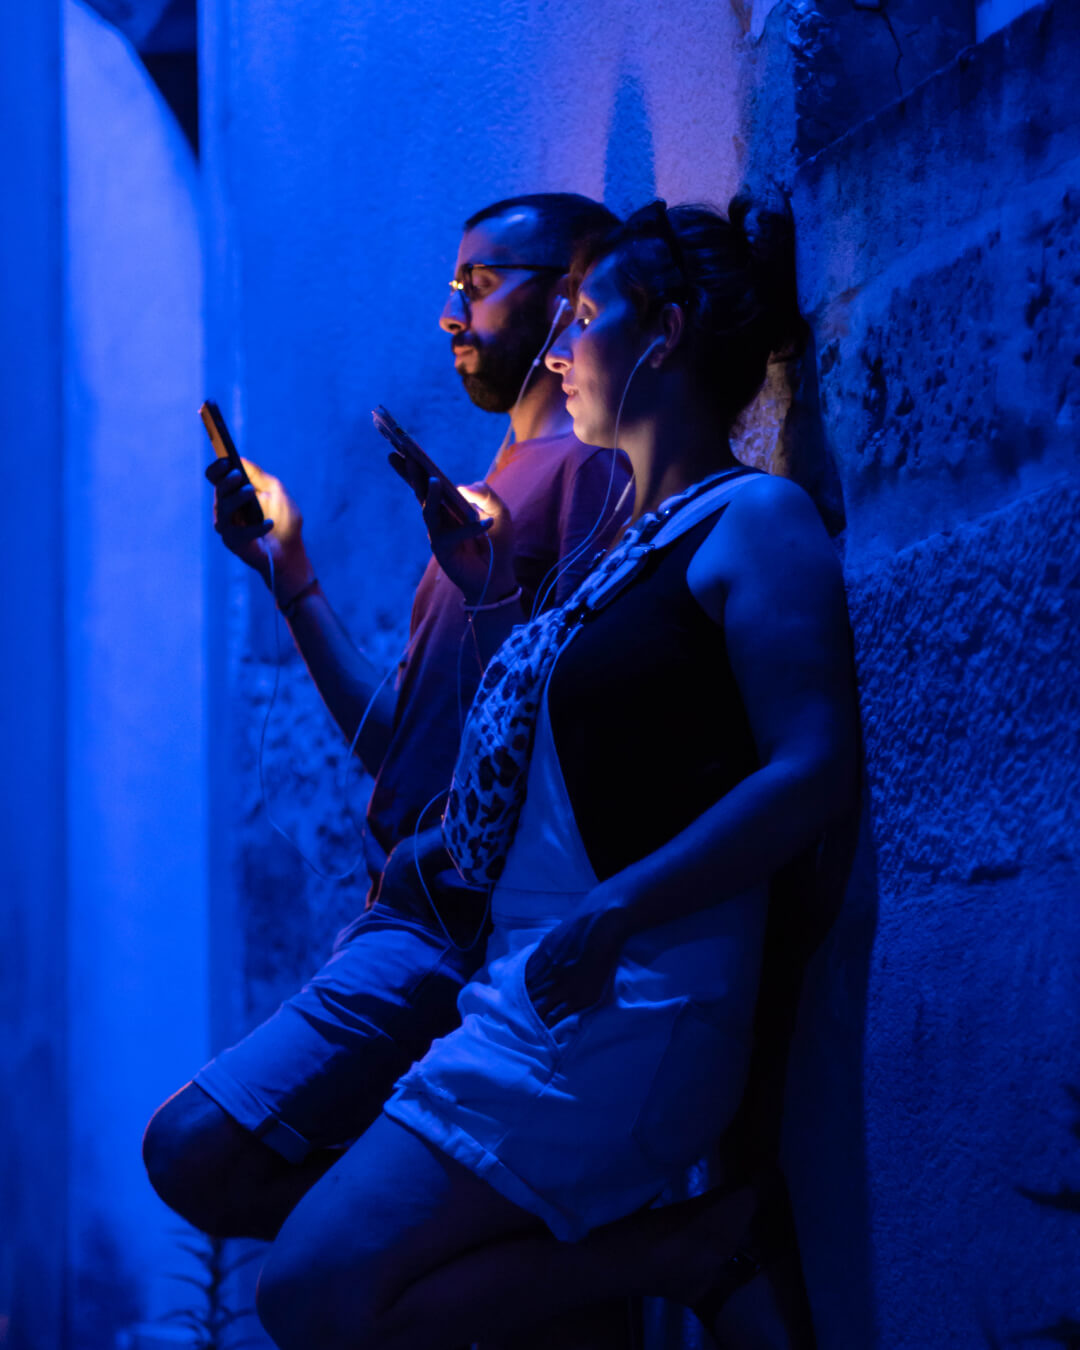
{"x": 191, "y": 1148}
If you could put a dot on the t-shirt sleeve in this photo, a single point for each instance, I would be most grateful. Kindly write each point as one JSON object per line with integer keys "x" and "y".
{"x": 590, "y": 514}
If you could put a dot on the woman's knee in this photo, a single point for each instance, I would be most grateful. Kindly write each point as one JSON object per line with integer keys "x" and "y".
{"x": 300, "y": 1306}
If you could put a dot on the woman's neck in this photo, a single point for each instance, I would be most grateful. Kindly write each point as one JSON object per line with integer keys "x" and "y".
{"x": 672, "y": 447}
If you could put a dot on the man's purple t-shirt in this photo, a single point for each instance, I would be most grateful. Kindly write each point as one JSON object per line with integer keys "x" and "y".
{"x": 562, "y": 496}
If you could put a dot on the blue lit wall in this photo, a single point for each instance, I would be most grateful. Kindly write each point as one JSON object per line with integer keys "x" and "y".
{"x": 106, "y": 995}
{"x": 137, "y": 920}
{"x": 33, "y": 1024}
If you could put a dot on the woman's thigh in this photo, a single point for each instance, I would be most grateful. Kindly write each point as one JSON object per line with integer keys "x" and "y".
{"x": 392, "y": 1210}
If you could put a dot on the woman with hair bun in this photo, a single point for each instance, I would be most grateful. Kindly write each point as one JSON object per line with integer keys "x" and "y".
{"x": 635, "y": 767}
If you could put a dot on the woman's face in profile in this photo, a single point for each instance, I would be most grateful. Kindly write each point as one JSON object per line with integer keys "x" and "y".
{"x": 595, "y": 354}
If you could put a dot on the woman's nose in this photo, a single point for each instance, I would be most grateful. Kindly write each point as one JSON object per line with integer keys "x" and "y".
{"x": 455, "y": 315}
{"x": 558, "y": 356}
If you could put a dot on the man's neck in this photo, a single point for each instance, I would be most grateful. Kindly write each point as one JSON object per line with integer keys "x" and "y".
{"x": 541, "y": 411}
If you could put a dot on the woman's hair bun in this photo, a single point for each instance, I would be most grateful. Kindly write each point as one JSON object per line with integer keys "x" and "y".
{"x": 765, "y": 235}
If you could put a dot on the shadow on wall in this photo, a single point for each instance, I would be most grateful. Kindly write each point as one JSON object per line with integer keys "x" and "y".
{"x": 801, "y": 452}
{"x": 630, "y": 162}
{"x": 824, "y": 1146}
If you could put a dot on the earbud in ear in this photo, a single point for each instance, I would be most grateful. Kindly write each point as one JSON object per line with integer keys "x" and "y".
{"x": 561, "y": 308}
{"x": 657, "y": 342}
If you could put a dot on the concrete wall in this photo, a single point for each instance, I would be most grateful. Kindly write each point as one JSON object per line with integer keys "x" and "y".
{"x": 137, "y": 922}
{"x": 104, "y": 938}
{"x": 33, "y": 1025}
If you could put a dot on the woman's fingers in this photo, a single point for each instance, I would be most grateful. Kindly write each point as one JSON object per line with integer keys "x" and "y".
{"x": 406, "y": 470}
{"x": 545, "y": 982}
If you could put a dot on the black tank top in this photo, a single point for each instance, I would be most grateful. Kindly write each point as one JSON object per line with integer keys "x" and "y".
{"x": 646, "y": 716}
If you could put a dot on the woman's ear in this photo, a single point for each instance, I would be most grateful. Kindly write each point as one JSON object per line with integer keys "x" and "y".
{"x": 561, "y": 304}
{"x": 672, "y": 325}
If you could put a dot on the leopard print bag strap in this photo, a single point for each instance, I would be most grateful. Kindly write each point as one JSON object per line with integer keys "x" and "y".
{"x": 492, "y": 770}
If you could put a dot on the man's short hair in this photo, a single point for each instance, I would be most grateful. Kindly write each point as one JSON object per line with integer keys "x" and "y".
{"x": 568, "y": 220}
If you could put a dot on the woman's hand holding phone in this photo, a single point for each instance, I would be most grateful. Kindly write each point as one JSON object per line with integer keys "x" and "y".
{"x": 470, "y": 529}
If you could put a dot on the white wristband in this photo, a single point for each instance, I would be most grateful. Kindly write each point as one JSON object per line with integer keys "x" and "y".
{"x": 514, "y": 596}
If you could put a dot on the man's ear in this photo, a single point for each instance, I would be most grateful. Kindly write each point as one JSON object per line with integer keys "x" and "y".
{"x": 672, "y": 328}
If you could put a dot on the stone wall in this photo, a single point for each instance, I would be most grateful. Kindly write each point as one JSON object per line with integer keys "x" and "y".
{"x": 940, "y": 269}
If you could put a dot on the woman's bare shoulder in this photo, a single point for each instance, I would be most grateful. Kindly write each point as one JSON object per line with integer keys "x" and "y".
{"x": 770, "y": 527}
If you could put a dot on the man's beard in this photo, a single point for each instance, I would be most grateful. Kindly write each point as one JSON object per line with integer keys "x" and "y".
{"x": 501, "y": 368}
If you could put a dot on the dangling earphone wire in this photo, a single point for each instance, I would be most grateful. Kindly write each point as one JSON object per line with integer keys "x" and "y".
{"x": 404, "y": 656}
{"x": 543, "y": 591}
{"x": 560, "y": 310}
{"x": 552, "y": 578}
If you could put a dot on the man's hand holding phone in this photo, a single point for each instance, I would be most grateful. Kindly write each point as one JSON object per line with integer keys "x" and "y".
{"x": 255, "y": 516}
{"x": 277, "y": 537}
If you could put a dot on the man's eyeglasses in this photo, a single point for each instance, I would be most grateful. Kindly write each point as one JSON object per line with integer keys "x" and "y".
{"x": 464, "y": 284}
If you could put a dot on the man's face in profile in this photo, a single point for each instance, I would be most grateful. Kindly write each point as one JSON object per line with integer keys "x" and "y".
{"x": 499, "y": 315}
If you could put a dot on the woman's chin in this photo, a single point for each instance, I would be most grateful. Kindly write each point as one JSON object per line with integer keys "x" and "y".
{"x": 588, "y": 430}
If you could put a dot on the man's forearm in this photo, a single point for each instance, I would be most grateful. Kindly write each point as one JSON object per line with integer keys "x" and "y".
{"x": 345, "y": 678}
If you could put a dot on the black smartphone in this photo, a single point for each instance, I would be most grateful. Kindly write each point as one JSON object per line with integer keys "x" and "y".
{"x": 454, "y": 504}
{"x": 251, "y": 513}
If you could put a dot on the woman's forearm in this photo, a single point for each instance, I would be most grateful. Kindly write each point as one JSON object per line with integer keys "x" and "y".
{"x": 738, "y": 843}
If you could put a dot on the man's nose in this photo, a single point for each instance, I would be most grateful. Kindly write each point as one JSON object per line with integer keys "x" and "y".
{"x": 455, "y": 316}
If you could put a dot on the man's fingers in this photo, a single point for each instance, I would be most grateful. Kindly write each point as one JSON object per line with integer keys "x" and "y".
{"x": 236, "y": 536}
{"x": 228, "y": 502}
{"x": 216, "y": 470}
{"x": 253, "y": 471}
{"x": 230, "y": 482}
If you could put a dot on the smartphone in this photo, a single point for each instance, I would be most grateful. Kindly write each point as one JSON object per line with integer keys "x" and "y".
{"x": 454, "y": 504}
{"x": 251, "y": 513}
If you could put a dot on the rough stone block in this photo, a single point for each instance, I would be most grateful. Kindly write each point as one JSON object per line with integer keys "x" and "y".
{"x": 939, "y": 265}
{"x": 967, "y": 647}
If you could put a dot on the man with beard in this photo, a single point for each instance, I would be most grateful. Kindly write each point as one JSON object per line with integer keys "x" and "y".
{"x": 234, "y": 1150}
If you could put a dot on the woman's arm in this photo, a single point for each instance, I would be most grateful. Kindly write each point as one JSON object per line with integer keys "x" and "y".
{"x": 768, "y": 573}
